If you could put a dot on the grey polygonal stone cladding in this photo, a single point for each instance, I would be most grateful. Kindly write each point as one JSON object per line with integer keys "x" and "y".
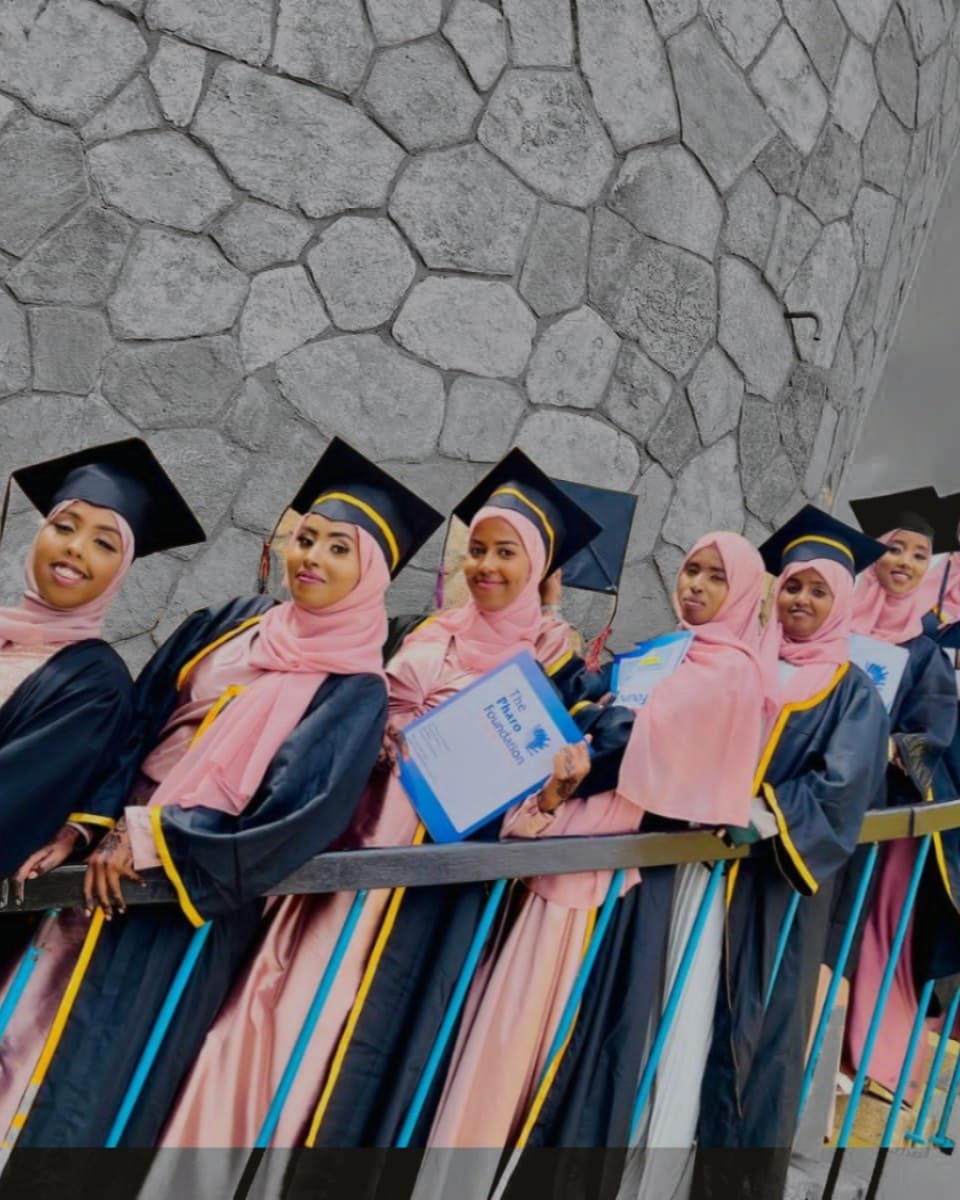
{"x": 593, "y": 228}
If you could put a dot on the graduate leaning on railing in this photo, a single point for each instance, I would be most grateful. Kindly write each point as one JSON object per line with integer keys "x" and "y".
{"x": 820, "y": 770}
{"x": 377, "y": 1006}
{"x": 346, "y": 990}
{"x": 257, "y": 724}
{"x": 65, "y": 702}
{"x": 529, "y": 1002}
{"x": 923, "y": 723}
{"x": 690, "y": 759}
{"x": 427, "y": 867}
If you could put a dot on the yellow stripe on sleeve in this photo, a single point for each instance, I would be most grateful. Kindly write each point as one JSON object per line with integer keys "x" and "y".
{"x": 166, "y": 859}
{"x": 795, "y": 857}
{"x": 91, "y": 819}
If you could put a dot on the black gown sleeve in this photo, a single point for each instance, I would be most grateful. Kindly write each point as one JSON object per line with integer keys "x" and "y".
{"x": 819, "y": 812}
{"x": 59, "y": 731}
{"x": 924, "y": 717}
{"x": 217, "y": 862}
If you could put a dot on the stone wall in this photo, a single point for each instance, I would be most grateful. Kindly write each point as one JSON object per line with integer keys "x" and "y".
{"x": 439, "y": 227}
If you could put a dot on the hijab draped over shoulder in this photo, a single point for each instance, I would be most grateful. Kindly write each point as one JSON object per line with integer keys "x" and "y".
{"x": 694, "y": 745}
{"x": 296, "y": 649}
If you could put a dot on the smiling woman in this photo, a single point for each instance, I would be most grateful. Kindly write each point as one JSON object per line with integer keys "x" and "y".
{"x": 103, "y": 507}
{"x": 496, "y": 567}
{"x": 78, "y": 553}
{"x": 804, "y": 603}
{"x": 256, "y": 726}
{"x": 323, "y": 561}
{"x": 821, "y": 766}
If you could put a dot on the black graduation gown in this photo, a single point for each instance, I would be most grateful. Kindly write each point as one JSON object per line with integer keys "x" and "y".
{"x": 936, "y": 927}
{"x": 418, "y": 972}
{"x": 825, "y": 764}
{"x": 923, "y": 720}
{"x": 60, "y": 731}
{"x": 219, "y": 865}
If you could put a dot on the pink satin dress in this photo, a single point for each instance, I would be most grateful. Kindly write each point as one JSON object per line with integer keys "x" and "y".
{"x": 248, "y": 1046}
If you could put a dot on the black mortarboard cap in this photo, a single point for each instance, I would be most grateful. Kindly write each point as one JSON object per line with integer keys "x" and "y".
{"x": 812, "y": 534}
{"x": 599, "y": 565}
{"x": 950, "y": 508}
{"x": 919, "y": 510}
{"x": 517, "y": 484}
{"x": 345, "y": 486}
{"x": 122, "y": 476}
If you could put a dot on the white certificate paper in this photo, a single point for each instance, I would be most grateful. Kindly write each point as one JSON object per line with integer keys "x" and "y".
{"x": 883, "y": 663}
{"x": 637, "y": 673}
{"x": 474, "y": 756}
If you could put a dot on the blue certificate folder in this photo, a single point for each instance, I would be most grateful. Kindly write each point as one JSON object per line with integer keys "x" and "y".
{"x": 484, "y": 749}
{"x": 638, "y": 672}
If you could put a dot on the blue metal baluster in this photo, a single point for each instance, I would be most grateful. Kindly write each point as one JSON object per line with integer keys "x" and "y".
{"x": 673, "y": 1001}
{"x": 24, "y": 970}
{"x": 941, "y": 1138}
{"x": 886, "y": 984}
{"x": 837, "y": 978}
{"x": 300, "y": 1046}
{"x": 886, "y": 1140}
{"x": 916, "y": 1135}
{"x": 452, "y": 1013}
{"x": 788, "y": 919}
{"x": 564, "y": 1029}
{"x": 157, "y": 1034}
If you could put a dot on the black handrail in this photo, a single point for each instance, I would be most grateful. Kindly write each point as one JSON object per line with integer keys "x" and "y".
{"x": 472, "y": 862}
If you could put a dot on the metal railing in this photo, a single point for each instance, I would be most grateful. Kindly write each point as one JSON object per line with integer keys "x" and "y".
{"x": 361, "y": 871}
{"x": 474, "y": 862}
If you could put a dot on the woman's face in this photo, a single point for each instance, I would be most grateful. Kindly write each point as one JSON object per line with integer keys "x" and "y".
{"x": 905, "y": 563}
{"x": 496, "y": 566}
{"x": 702, "y": 586}
{"x": 323, "y": 561}
{"x": 804, "y": 603}
{"x": 77, "y": 554}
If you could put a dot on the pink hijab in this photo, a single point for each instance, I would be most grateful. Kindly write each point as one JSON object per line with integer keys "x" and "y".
{"x": 296, "y": 648}
{"x": 693, "y": 749}
{"x": 35, "y": 622}
{"x": 485, "y": 640}
{"x": 879, "y": 614}
{"x": 818, "y": 657}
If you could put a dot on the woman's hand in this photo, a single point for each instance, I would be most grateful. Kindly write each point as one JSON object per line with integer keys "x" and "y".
{"x": 570, "y": 768}
{"x": 109, "y": 863}
{"x": 47, "y": 858}
{"x": 392, "y": 744}
{"x": 895, "y": 756}
{"x": 551, "y": 590}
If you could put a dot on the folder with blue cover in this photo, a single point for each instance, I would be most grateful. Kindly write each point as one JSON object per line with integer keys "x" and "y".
{"x": 882, "y": 662}
{"x": 485, "y": 749}
{"x": 638, "y": 672}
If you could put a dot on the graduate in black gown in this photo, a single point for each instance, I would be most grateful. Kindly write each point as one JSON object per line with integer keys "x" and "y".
{"x": 428, "y": 942}
{"x": 923, "y": 715}
{"x": 65, "y": 694}
{"x": 821, "y": 768}
{"x": 256, "y": 727}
